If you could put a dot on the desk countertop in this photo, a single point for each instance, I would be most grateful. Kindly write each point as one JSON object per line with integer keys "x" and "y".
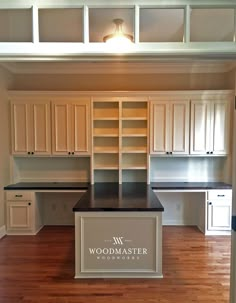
{"x": 48, "y": 186}
{"x": 115, "y": 197}
{"x": 190, "y": 185}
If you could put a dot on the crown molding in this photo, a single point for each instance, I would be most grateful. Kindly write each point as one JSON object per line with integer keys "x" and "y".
{"x": 169, "y": 67}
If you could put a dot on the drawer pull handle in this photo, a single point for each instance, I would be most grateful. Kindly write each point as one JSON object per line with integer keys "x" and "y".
{"x": 18, "y": 196}
{"x": 220, "y": 195}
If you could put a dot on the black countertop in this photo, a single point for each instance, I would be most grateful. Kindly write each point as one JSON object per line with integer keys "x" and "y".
{"x": 115, "y": 197}
{"x": 48, "y": 186}
{"x": 190, "y": 185}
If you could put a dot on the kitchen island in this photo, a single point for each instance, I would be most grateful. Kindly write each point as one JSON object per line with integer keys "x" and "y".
{"x": 118, "y": 232}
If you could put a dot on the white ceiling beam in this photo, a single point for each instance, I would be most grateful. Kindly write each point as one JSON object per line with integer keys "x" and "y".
{"x": 123, "y": 3}
{"x": 35, "y": 24}
{"x": 187, "y": 12}
{"x": 80, "y": 50}
{"x": 86, "y": 24}
{"x": 136, "y": 23}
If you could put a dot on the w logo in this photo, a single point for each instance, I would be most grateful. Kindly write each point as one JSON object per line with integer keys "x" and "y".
{"x": 118, "y": 241}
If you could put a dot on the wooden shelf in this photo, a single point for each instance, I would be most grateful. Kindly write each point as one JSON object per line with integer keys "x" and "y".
{"x": 110, "y": 132}
{"x": 105, "y": 118}
{"x": 134, "y": 135}
{"x": 134, "y": 118}
{"x": 113, "y": 167}
{"x": 134, "y": 149}
{"x": 106, "y": 150}
{"x": 106, "y": 135}
{"x": 134, "y": 167}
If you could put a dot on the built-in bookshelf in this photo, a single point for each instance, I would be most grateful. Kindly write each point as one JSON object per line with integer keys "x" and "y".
{"x": 120, "y": 140}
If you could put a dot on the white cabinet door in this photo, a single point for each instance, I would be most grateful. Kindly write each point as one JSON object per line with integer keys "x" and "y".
{"x": 170, "y": 127}
{"x": 20, "y": 126}
{"x": 31, "y": 127}
{"x": 179, "y": 130}
{"x": 200, "y": 127}
{"x": 41, "y": 128}
{"x": 80, "y": 136}
{"x": 160, "y": 127}
{"x": 71, "y": 127}
{"x": 219, "y": 214}
{"x": 19, "y": 216}
{"x": 220, "y": 127}
{"x": 209, "y": 127}
{"x": 61, "y": 127}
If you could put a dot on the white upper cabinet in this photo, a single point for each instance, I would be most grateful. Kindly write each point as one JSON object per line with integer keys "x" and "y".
{"x": 169, "y": 127}
{"x": 209, "y": 127}
{"x": 71, "y": 126}
{"x": 31, "y": 127}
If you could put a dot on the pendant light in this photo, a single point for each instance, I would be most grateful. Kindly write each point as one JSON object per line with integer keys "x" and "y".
{"x": 118, "y": 37}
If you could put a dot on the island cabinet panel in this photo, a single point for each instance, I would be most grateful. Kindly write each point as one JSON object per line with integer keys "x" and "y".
{"x": 169, "y": 127}
{"x": 71, "y": 127}
{"x": 31, "y": 127}
{"x": 210, "y": 121}
{"x": 126, "y": 244}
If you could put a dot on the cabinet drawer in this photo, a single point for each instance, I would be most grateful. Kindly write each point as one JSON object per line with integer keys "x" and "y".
{"x": 18, "y": 195}
{"x": 219, "y": 194}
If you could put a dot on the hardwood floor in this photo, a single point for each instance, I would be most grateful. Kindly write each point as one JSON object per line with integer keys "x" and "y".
{"x": 40, "y": 268}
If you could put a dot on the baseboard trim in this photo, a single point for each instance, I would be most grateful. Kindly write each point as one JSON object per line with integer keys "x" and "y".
{"x": 2, "y": 231}
{"x": 177, "y": 222}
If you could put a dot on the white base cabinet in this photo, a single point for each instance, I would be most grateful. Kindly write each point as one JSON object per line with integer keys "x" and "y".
{"x": 217, "y": 211}
{"x": 23, "y": 213}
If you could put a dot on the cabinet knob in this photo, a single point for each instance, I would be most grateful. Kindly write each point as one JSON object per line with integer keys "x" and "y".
{"x": 73, "y": 153}
{"x": 208, "y": 153}
{"x": 28, "y": 153}
{"x": 32, "y": 153}
{"x": 68, "y": 153}
{"x": 211, "y": 152}
{"x": 29, "y": 203}
{"x": 167, "y": 153}
{"x": 209, "y": 203}
{"x": 170, "y": 153}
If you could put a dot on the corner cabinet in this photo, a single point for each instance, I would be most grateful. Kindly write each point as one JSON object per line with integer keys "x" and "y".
{"x": 71, "y": 126}
{"x": 210, "y": 127}
{"x": 169, "y": 127}
{"x": 31, "y": 127}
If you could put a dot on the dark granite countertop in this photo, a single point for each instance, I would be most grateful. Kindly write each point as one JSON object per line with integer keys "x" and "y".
{"x": 190, "y": 185}
{"x": 115, "y": 197}
{"x": 48, "y": 186}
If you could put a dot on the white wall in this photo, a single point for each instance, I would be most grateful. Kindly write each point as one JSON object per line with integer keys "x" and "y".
{"x": 5, "y": 81}
{"x": 195, "y": 169}
{"x": 135, "y": 82}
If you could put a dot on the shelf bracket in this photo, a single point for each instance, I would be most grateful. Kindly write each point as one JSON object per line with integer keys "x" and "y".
{"x": 234, "y": 223}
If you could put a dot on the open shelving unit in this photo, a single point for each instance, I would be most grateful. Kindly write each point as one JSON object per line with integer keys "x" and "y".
{"x": 120, "y": 140}
{"x": 134, "y": 141}
{"x": 105, "y": 156}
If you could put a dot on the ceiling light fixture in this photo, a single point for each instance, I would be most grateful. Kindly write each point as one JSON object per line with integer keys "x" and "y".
{"x": 118, "y": 36}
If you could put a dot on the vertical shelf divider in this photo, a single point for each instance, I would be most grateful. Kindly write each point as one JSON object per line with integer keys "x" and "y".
{"x": 120, "y": 142}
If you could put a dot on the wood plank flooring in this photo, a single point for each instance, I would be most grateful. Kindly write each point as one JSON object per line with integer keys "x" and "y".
{"x": 40, "y": 269}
